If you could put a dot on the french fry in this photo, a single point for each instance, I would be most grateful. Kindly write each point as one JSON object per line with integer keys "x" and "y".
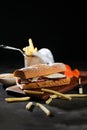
{"x": 48, "y": 113}
{"x": 53, "y": 96}
{"x": 31, "y": 44}
{"x": 33, "y": 92}
{"x": 60, "y": 95}
{"x": 17, "y": 99}
{"x": 76, "y": 95}
{"x": 48, "y": 101}
{"x": 28, "y": 106}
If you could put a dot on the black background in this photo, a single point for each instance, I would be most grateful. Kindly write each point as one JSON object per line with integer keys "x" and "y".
{"x": 61, "y": 29}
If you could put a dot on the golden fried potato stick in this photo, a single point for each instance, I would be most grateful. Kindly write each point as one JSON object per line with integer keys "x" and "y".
{"x": 17, "y": 99}
{"x": 43, "y": 108}
{"x": 60, "y": 95}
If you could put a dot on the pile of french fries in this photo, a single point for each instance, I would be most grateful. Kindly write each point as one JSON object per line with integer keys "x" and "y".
{"x": 30, "y": 50}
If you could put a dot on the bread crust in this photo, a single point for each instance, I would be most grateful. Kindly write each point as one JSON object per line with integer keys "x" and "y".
{"x": 46, "y": 84}
{"x": 39, "y": 70}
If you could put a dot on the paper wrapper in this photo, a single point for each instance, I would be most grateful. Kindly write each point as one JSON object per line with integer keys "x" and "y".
{"x": 31, "y": 60}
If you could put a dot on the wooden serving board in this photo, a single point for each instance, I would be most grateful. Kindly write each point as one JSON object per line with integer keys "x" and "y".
{"x": 15, "y": 90}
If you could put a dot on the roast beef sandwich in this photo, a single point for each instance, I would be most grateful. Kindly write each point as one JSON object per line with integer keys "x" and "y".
{"x": 42, "y": 76}
{"x": 54, "y": 76}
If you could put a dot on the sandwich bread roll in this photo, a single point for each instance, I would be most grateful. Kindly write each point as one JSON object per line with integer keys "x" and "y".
{"x": 39, "y": 70}
{"x": 41, "y": 75}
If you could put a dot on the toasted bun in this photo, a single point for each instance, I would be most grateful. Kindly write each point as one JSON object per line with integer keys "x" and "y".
{"x": 39, "y": 70}
{"x": 46, "y": 84}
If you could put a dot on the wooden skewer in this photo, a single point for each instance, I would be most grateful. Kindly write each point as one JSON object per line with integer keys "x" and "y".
{"x": 17, "y": 99}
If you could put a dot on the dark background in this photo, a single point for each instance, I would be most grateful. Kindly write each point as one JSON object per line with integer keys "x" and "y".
{"x": 61, "y": 29}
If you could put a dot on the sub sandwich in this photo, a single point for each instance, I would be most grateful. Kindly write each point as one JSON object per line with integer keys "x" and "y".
{"x": 55, "y": 76}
